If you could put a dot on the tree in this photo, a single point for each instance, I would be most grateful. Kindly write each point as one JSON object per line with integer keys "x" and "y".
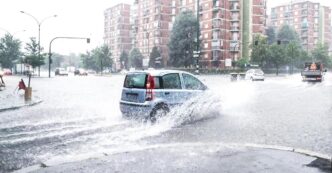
{"x": 88, "y": 61}
{"x": 242, "y": 63}
{"x": 277, "y": 56}
{"x": 124, "y": 60}
{"x": 57, "y": 59}
{"x": 102, "y": 57}
{"x": 154, "y": 55}
{"x": 286, "y": 34}
{"x": 32, "y": 57}
{"x": 293, "y": 52}
{"x": 321, "y": 53}
{"x": 9, "y": 51}
{"x": 259, "y": 50}
{"x": 182, "y": 40}
{"x": 271, "y": 35}
{"x": 135, "y": 58}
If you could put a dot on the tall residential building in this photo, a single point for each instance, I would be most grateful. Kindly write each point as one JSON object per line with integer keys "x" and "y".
{"x": 154, "y": 23}
{"x": 311, "y": 20}
{"x": 228, "y": 28}
{"x": 117, "y": 31}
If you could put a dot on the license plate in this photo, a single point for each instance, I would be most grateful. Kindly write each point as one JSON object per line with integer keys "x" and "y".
{"x": 132, "y": 97}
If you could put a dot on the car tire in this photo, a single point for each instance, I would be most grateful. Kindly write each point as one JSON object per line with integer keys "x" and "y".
{"x": 252, "y": 79}
{"x": 158, "y": 111}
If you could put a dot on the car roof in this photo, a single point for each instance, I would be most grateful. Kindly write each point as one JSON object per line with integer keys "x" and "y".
{"x": 158, "y": 72}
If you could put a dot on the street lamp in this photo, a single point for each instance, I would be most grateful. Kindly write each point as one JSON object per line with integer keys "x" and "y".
{"x": 39, "y": 23}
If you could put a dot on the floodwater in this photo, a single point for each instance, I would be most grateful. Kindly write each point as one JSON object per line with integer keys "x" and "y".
{"x": 79, "y": 118}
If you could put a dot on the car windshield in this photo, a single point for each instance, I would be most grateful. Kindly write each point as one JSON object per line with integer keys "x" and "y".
{"x": 166, "y": 86}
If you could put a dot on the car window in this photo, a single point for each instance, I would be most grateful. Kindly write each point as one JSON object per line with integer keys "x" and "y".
{"x": 192, "y": 83}
{"x": 171, "y": 81}
{"x": 136, "y": 80}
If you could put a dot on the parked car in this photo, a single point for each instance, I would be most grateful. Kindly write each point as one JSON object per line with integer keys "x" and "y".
{"x": 149, "y": 94}
{"x": 80, "y": 72}
{"x": 61, "y": 72}
{"x": 255, "y": 74}
{"x": 7, "y": 72}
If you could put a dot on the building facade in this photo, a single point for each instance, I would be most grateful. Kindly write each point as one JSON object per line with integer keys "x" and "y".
{"x": 227, "y": 27}
{"x": 118, "y": 31}
{"x": 154, "y": 24}
{"x": 311, "y": 21}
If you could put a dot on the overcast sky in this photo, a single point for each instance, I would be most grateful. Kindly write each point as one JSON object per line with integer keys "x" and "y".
{"x": 76, "y": 18}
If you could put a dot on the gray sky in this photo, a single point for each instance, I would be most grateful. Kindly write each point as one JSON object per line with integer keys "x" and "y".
{"x": 78, "y": 18}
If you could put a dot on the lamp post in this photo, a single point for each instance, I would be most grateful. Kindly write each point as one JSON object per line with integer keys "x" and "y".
{"x": 39, "y": 23}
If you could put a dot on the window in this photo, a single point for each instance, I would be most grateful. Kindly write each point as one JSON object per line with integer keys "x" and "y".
{"x": 192, "y": 83}
{"x": 135, "y": 80}
{"x": 171, "y": 81}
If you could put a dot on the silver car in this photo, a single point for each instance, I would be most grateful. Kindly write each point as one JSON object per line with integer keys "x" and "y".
{"x": 148, "y": 94}
{"x": 255, "y": 74}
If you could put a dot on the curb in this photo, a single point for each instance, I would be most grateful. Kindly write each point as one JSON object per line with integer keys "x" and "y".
{"x": 21, "y": 106}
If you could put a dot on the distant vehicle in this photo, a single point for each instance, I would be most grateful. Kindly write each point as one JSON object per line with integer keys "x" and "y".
{"x": 61, "y": 72}
{"x": 150, "y": 94}
{"x": 313, "y": 71}
{"x": 7, "y": 72}
{"x": 254, "y": 74}
{"x": 91, "y": 72}
{"x": 80, "y": 72}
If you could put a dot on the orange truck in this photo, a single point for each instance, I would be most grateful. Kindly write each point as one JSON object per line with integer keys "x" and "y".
{"x": 313, "y": 71}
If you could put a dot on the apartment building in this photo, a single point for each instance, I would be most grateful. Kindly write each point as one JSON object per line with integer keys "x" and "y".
{"x": 118, "y": 31}
{"x": 227, "y": 29}
{"x": 154, "y": 23}
{"x": 311, "y": 20}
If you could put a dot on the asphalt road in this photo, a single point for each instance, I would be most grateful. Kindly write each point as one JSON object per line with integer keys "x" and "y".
{"x": 79, "y": 118}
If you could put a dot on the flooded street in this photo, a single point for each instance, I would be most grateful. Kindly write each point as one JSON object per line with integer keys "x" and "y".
{"x": 79, "y": 118}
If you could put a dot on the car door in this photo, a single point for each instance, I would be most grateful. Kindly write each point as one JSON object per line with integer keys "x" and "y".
{"x": 172, "y": 92}
{"x": 192, "y": 85}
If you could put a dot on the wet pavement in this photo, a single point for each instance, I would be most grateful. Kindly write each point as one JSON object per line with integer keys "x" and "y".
{"x": 79, "y": 119}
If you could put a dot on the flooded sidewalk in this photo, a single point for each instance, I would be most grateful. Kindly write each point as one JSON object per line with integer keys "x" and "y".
{"x": 11, "y": 98}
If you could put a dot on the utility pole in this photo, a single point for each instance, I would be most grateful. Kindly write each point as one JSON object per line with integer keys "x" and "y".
{"x": 197, "y": 52}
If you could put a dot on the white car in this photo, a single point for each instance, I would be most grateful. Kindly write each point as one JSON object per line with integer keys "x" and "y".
{"x": 255, "y": 74}
{"x": 61, "y": 72}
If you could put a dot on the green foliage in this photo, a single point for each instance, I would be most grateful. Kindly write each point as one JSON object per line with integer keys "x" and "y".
{"x": 271, "y": 35}
{"x": 32, "y": 56}
{"x": 242, "y": 63}
{"x": 89, "y": 61}
{"x": 287, "y": 33}
{"x": 293, "y": 53}
{"x": 102, "y": 57}
{"x": 277, "y": 56}
{"x": 57, "y": 60}
{"x": 321, "y": 54}
{"x": 9, "y": 51}
{"x": 182, "y": 40}
{"x": 97, "y": 59}
{"x": 124, "y": 60}
{"x": 259, "y": 53}
{"x": 135, "y": 58}
{"x": 153, "y": 57}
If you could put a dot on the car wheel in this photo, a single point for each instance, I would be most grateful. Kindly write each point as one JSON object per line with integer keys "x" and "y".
{"x": 252, "y": 79}
{"x": 158, "y": 111}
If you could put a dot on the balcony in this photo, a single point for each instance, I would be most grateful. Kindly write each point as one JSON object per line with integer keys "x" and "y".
{"x": 235, "y": 29}
{"x": 235, "y": 19}
{"x": 215, "y": 44}
{"x": 234, "y": 8}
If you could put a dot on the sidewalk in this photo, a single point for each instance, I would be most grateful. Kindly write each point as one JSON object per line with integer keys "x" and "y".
{"x": 10, "y": 99}
{"x": 194, "y": 158}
